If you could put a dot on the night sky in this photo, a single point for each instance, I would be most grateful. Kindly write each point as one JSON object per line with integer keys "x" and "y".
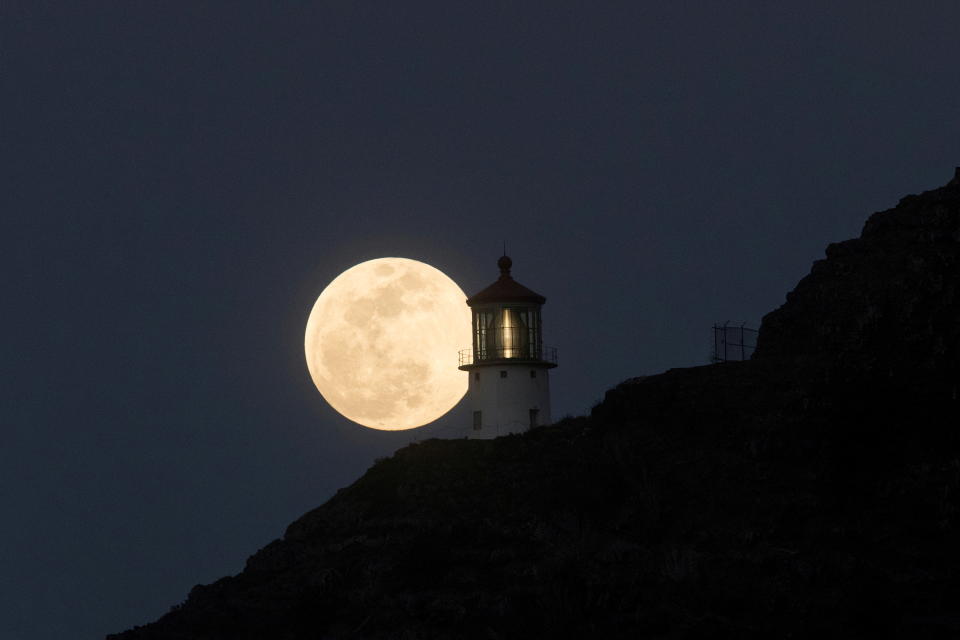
{"x": 181, "y": 180}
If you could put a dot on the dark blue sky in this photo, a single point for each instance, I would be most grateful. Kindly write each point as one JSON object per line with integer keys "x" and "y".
{"x": 181, "y": 180}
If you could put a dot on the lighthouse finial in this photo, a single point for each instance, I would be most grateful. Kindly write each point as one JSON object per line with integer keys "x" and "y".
{"x": 504, "y": 263}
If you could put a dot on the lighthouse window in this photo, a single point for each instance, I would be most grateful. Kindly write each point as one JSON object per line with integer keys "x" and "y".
{"x": 533, "y": 417}
{"x": 506, "y": 332}
{"x": 476, "y": 376}
{"x": 533, "y": 373}
{"x": 513, "y": 332}
{"x": 484, "y": 345}
{"x": 503, "y": 374}
{"x": 477, "y": 420}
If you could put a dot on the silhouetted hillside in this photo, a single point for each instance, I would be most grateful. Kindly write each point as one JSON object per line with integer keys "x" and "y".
{"x": 810, "y": 492}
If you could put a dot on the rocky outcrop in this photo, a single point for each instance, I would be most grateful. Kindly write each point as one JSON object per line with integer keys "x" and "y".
{"x": 886, "y": 303}
{"x": 813, "y": 491}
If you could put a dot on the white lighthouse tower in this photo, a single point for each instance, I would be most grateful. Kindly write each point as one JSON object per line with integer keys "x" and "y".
{"x": 509, "y": 389}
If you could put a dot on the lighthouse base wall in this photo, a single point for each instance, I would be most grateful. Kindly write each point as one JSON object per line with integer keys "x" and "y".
{"x": 507, "y": 398}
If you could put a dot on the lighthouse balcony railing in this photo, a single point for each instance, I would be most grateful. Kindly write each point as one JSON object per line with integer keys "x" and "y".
{"x": 543, "y": 354}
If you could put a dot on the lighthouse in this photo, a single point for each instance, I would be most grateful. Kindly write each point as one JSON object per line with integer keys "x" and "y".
{"x": 509, "y": 387}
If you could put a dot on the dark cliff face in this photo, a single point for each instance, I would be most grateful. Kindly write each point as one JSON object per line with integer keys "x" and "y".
{"x": 811, "y": 492}
{"x": 886, "y": 303}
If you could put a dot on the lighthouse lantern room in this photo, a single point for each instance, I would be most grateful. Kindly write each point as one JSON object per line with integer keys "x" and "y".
{"x": 509, "y": 388}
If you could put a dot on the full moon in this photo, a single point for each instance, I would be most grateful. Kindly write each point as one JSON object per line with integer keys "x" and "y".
{"x": 382, "y": 341}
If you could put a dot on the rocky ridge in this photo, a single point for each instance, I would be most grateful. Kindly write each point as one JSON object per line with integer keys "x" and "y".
{"x": 812, "y": 491}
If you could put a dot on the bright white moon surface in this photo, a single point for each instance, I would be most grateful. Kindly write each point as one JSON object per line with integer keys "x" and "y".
{"x": 382, "y": 342}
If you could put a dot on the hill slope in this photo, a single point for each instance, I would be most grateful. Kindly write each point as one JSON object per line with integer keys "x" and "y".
{"x": 812, "y": 491}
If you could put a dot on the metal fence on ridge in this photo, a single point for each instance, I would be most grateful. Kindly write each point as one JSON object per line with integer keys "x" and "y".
{"x": 732, "y": 343}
